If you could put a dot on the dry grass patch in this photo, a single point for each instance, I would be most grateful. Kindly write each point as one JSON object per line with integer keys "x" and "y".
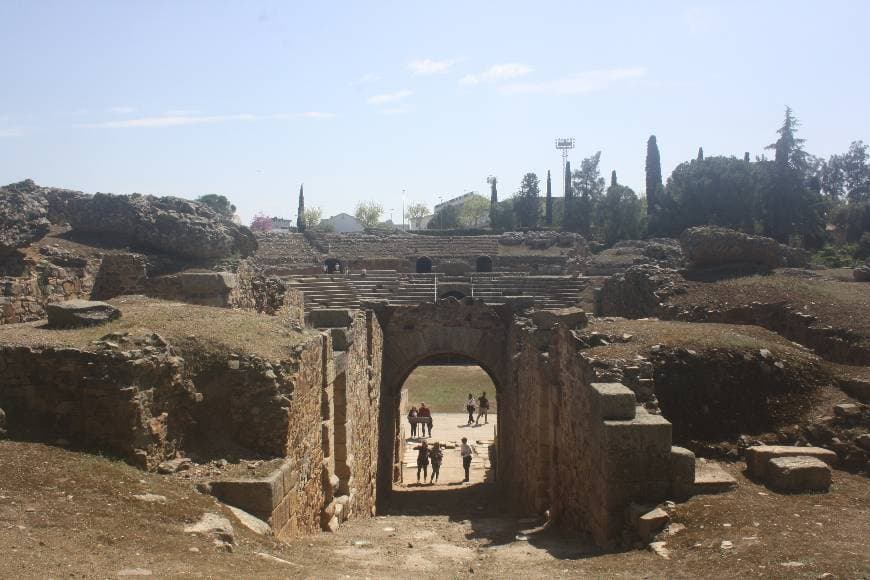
{"x": 186, "y": 326}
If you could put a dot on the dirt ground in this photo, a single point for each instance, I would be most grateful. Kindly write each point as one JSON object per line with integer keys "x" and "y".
{"x": 73, "y": 515}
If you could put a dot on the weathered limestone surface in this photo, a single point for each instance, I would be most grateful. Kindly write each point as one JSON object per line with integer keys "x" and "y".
{"x": 758, "y": 457}
{"x": 23, "y": 216}
{"x": 77, "y": 313}
{"x": 798, "y": 473}
{"x": 707, "y": 246}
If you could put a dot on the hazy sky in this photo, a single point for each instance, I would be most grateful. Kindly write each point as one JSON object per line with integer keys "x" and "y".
{"x": 360, "y": 100}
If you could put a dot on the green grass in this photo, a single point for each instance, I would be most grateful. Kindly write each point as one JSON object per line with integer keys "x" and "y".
{"x": 444, "y": 388}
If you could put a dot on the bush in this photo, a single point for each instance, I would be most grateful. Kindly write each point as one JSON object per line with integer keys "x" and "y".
{"x": 835, "y": 256}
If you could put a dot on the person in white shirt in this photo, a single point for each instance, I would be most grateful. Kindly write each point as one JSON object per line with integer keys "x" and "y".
{"x": 466, "y": 452}
{"x": 470, "y": 405}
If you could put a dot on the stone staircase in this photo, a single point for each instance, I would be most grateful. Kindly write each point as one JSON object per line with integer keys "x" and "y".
{"x": 285, "y": 253}
{"x": 414, "y": 289}
{"x": 375, "y": 285}
{"x": 326, "y": 291}
{"x": 547, "y": 291}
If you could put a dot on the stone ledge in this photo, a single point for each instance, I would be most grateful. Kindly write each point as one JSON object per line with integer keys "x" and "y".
{"x": 613, "y": 401}
{"x": 758, "y": 457}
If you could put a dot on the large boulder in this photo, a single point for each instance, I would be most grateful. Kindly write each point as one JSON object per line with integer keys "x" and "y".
{"x": 637, "y": 292}
{"x": 23, "y": 216}
{"x": 710, "y": 247}
{"x": 167, "y": 224}
{"x": 78, "y": 313}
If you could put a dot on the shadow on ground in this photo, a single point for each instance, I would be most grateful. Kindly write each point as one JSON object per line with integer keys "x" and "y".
{"x": 491, "y": 518}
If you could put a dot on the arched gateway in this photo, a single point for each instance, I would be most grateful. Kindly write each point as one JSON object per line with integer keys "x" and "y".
{"x": 583, "y": 451}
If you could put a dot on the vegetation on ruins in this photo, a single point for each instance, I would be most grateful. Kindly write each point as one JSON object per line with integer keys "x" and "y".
{"x": 368, "y": 213}
{"x": 261, "y": 223}
{"x": 219, "y": 203}
{"x": 527, "y": 206}
{"x": 548, "y": 208}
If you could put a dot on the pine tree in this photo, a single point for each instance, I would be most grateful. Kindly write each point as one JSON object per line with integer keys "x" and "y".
{"x": 788, "y": 148}
{"x": 548, "y": 217}
{"x": 613, "y": 178}
{"x": 700, "y": 153}
{"x": 527, "y": 204}
{"x": 300, "y": 217}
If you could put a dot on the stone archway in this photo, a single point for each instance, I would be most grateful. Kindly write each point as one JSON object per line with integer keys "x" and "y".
{"x": 423, "y": 265}
{"x": 467, "y": 328}
{"x": 452, "y": 294}
{"x": 332, "y": 265}
{"x": 484, "y": 264}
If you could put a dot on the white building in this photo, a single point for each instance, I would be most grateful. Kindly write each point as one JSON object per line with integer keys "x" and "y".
{"x": 283, "y": 226}
{"x": 342, "y": 223}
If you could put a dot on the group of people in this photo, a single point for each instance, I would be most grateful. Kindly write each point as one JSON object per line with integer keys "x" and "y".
{"x": 481, "y": 405}
{"x": 421, "y": 417}
{"x": 435, "y": 455}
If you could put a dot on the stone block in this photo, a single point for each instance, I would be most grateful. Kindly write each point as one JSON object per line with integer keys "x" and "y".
{"x": 651, "y": 523}
{"x": 256, "y": 496}
{"x": 78, "y": 313}
{"x": 636, "y": 450}
{"x": 613, "y": 401}
{"x": 571, "y": 318}
{"x": 847, "y": 411}
{"x": 281, "y": 514}
{"x": 798, "y": 474}
{"x": 331, "y": 318}
{"x": 682, "y": 472}
{"x": 289, "y": 474}
{"x": 207, "y": 283}
{"x": 757, "y": 457}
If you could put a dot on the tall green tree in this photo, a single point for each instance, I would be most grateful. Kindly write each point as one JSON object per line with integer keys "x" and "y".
{"x": 527, "y": 201}
{"x": 700, "y": 153}
{"x": 621, "y": 214}
{"x": 548, "y": 212}
{"x": 568, "y": 193}
{"x": 300, "y": 215}
{"x": 492, "y": 180}
{"x": 446, "y": 218}
{"x": 613, "y": 178}
{"x": 474, "y": 211}
{"x": 587, "y": 187}
{"x": 789, "y": 206}
{"x": 218, "y": 203}
{"x": 654, "y": 186}
{"x": 312, "y": 217}
{"x": 847, "y": 175}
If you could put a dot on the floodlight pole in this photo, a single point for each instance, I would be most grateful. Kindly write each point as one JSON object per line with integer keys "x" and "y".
{"x": 564, "y": 145}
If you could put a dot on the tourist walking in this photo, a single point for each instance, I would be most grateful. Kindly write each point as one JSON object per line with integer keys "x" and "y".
{"x": 436, "y": 455}
{"x": 469, "y": 408}
{"x": 422, "y": 460}
{"x": 482, "y": 409}
{"x": 424, "y": 416}
{"x": 466, "y": 452}
{"x": 412, "y": 419}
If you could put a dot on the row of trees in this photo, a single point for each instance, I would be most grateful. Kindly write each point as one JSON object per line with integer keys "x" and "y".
{"x": 788, "y": 198}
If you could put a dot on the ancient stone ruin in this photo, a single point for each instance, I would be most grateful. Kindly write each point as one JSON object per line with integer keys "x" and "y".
{"x": 156, "y": 331}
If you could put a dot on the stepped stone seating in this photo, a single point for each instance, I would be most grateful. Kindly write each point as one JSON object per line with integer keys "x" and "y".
{"x": 399, "y": 245}
{"x": 349, "y": 291}
{"x": 282, "y": 254}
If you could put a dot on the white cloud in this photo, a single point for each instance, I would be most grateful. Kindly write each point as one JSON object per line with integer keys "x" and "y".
{"x": 182, "y": 112}
{"x": 389, "y": 97}
{"x": 497, "y": 72}
{"x": 585, "y": 82}
{"x": 366, "y": 79}
{"x": 122, "y": 110}
{"x": 427, "y": 66}
{"x": 180, "y": 120}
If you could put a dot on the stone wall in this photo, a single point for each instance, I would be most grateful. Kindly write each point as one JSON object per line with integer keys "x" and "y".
{"x": 121, "y": 274}
{"x": 133, "y": 403}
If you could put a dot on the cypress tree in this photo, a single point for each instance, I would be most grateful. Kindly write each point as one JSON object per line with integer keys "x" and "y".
{"x": 568, "y": 192}
{"x": 493, "y": 200}
{"x": 746, "y": 157}
{"x": 613, "y": 178}
{"x": 300, "y": 217}
{"x": 654, "y": 185}
{"x": 548, "y": 216}
{"x": 700, "y": 153}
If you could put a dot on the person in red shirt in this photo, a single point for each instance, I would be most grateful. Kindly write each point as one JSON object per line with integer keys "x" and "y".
{"x": 426, "y": 415}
